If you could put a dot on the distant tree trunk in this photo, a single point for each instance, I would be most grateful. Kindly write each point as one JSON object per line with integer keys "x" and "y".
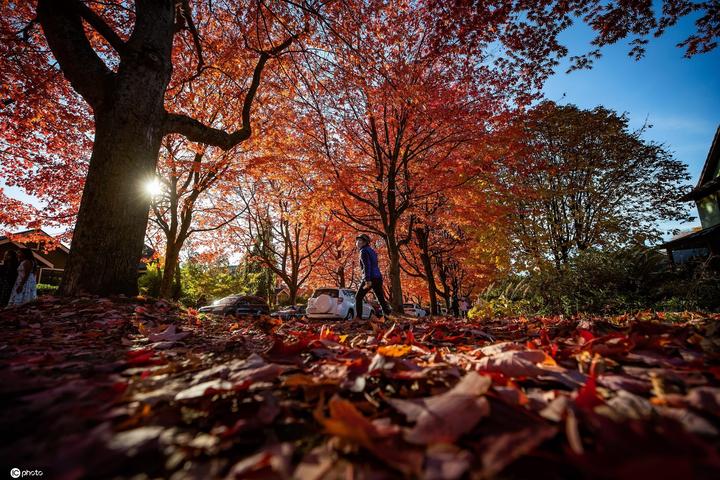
{"x": 172, "y": 258}
{"x": 293, "y": 291}
{"x": 177, "y": 286}
{"x": 421, "y": 235}
{"x": 341, "y": 276}
{"x": 394, "y": 272}
{"x": 445, "y": 292}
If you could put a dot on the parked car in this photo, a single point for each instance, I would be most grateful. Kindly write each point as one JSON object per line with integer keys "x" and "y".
{"x": 331, "y": 302}
{"x": 293, "y": 311}
{"x": 414, "y": 310}
{"x": 238, "y": 305}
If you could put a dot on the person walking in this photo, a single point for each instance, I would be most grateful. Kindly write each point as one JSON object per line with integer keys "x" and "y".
{"x": 372, "y": 278}
{"x": 464, "y": 307}
{"x": 25, "y": 289}
{"x": 8, "y": 276}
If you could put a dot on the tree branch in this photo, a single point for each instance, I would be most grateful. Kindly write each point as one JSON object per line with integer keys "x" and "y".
{"x": 187, "y": 14}
{"x": 63, "y": 29}
{"x": 196, "y": 131}
{"x": 100, "y": 26}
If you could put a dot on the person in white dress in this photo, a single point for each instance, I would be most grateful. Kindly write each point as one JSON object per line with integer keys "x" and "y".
{"x": 25, "y": 289}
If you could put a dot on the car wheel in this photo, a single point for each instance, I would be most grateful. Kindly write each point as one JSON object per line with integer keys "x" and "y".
{"x": 350, "y": 315}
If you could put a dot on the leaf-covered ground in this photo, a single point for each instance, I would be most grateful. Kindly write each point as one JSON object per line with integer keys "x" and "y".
{"x": 133, "y": 388}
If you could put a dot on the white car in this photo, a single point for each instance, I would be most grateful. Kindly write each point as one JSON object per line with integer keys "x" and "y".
{"x": 334, "y": 303}
{"x": 414, "y": 310}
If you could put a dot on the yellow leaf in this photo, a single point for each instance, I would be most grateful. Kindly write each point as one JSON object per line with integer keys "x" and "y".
{"x": 394, "y": 350}
{"x": 549, "y": 361}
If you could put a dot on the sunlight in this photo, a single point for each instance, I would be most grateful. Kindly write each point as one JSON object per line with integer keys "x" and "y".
{"x": 153, "y": 187}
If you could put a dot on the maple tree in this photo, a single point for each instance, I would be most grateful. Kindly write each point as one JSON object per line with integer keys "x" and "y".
{"x": 391, "y": 125}
{"x": 294, "y": 235}
{"x": 583, "y": 179}
{"x": 123, "y": 59}
{"x": 190, "y": 200}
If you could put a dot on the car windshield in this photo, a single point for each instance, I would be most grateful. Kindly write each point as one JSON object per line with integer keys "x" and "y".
{"x": 330, "y": 292}
{"x": 227, "y": 300}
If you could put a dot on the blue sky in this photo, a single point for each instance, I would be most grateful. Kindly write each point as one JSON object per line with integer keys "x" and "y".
{"x": 680, "y": 97}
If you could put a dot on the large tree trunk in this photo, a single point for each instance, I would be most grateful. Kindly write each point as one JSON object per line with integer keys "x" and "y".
{"x": 129, "y": 125}
{"x": 110, "y": 231}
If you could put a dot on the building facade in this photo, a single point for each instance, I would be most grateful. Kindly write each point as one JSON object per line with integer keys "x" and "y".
{"x": 704, "y": 242}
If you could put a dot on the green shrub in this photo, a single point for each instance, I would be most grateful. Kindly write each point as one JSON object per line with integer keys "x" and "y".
{"x": 205, "y": 282}
{"x": 602, "y": 281}
{"x": 149, "y": 282}
{"x": 46, "y": 289}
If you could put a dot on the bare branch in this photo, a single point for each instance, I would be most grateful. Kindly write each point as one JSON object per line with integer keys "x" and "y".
{"x": 196, "y": 131}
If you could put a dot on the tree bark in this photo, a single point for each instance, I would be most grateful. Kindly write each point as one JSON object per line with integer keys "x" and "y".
{"x": 293, "y": 295}
{"x": 177, "y": 286}
{"x": 109, "y": 235}
{"x": 172, "y": 256}
{"x": 396, "y": 295}
{"x": 421, "y": 235}
{"x": 341, "y": 276}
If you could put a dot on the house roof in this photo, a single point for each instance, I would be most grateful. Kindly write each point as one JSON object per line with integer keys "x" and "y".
{"x": 707, "y": 184}
{"x": 39, "y": 258}
{"x": 36, "y": 231}
{"x": 693, "y": 240}
{"x": 5, "y": 239}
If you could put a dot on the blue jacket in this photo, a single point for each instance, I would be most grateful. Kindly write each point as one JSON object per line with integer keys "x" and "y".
{"x": 369, "y": 264}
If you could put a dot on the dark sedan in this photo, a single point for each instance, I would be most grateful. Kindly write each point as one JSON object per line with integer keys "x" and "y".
{"x": 238, "y": 305}
{"x": 296, "y": 311}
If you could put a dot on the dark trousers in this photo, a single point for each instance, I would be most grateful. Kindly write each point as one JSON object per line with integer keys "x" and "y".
{"x": 377, "y": 288}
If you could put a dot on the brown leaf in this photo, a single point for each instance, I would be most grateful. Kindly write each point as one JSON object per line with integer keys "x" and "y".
{"x": 514, "y": 363}
{"x": 445, "y": 417}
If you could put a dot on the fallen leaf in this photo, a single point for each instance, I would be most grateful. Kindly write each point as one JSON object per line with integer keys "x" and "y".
{"x": 394, "y": 351}
{"x": 445, "y": 417}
